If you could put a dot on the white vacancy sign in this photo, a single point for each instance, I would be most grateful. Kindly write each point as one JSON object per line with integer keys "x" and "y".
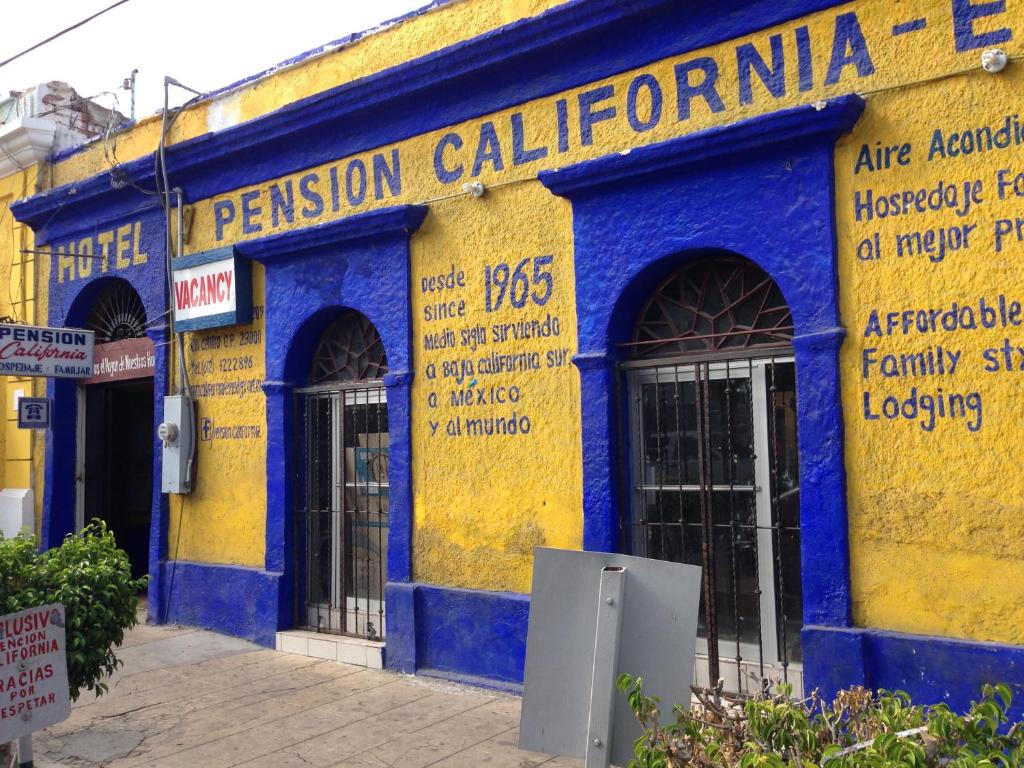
{"x": 211, "y": 289}
{"x": 205, "y": 289}
{"x": 33, "y": 671}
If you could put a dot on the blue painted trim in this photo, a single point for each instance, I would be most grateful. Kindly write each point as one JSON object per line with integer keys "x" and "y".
{"x": 360, "y": 262}
{"x": 69, "y": 305}
{"x": 830, "y": 121}
{"x": 211, "y": 321}
{"x": 931, "y": 669}
{"x": 399, "y": 220}
{"x": 232, "y": 599}
{"x": 730, "y": 190}
{"x": 567, "y": 46}
{"x": 330, "y": 47}
{"x": 514, "y": 689}
{"x": 195, "y": 259}
{"x": 400, "y": 500}
{"x": 459, "y": 634}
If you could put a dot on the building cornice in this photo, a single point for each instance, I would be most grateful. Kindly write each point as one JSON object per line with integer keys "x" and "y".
{"x": 825, "y": 120}
{"x": 397, "y": 221}
{"x": 568, "y": 46}
{"x": 25, "y": 142}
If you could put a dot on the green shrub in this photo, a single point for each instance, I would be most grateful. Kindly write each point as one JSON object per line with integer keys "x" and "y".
{"x": 91, "y": 577}
{"x": 859, "y": 728}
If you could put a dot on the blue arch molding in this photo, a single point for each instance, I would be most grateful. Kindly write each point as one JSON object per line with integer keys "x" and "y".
{"x": 731, "y": 188}
{"x": 362, "y": 263}
{"x": 70, "y": 303}
{"x": 636, "y": 217}
{"x": 570, "y": 45}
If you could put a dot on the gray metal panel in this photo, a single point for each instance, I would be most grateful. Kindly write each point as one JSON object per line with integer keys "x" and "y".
{"x": 658, "y": 642}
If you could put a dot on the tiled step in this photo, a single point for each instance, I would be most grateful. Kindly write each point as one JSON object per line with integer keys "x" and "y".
{"x": 348, "y": 650}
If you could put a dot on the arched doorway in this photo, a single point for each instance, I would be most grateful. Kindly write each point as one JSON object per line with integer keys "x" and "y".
{"x": 711, "y": 451}
{"x": 115, "y": 424}
{"x": 345, "y": 447}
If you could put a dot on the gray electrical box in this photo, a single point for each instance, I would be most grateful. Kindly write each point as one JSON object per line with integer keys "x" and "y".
{"x": 176, "y": 434}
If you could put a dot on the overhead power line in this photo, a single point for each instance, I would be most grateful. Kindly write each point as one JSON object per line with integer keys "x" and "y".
{"x": 51, "y": 38}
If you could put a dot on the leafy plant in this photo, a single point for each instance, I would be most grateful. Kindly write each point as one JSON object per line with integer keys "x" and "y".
{"x": 857, "y": 729}
{"x": 91, "y": 577}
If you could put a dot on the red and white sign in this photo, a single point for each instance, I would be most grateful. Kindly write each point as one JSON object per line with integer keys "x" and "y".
{"x": 33, "y": 671}
{"x": 121, "y": 360}
{"x": 204, "y": 290}
{"x": 28, "y": 350}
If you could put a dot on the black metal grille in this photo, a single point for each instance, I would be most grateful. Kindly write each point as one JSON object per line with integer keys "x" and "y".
{"x": 721, "y": 303}
{"x": 345, "y": 519}
{"x": 117, "y": 314}
{"x": 350, "y": 350}
{"x": 715, "y": 483}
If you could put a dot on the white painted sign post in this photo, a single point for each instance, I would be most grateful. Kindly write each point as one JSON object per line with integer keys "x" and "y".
{"x": 33, "y": 675}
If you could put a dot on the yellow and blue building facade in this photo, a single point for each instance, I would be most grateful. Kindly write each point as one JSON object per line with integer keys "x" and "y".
{"x": 857, "y": 153}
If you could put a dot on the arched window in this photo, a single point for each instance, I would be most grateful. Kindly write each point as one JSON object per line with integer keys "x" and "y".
{"x": 712, "y": 457}
{"x": 349, "y": 350}
{"x": 725, "y": 303}
{"x": 117, "y": 314}
{"x": 346, "y": 510}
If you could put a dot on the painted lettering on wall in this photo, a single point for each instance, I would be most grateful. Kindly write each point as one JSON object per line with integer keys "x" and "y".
{"x": 474, "y": 357}
{"x": 827, "y": 54}
{"x": 969, "y": 215}
{"x": 111, "y": 251}
{"x": 323, "y": 193}
{"x": 228, "y": 363}
{"x": 931, "y": 281}
{"x": 226, "y": 368}
{"x": 495, "y": 396}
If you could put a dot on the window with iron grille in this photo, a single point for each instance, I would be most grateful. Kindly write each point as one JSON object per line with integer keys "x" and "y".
{"x": 345, "y": 517}
{"x": 712, "y": 461}
{"x": 117, "y": 314}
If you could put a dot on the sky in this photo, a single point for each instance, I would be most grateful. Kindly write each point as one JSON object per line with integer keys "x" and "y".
{"x": 205, "y": 44}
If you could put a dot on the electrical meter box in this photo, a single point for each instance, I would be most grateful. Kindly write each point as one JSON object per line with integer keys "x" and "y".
{"x": 176, "y": 433}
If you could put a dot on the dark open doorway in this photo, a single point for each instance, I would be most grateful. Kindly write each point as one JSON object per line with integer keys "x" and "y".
{"x": 119, "y": 463}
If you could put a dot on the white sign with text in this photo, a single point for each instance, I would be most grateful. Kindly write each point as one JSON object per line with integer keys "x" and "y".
{"x": 33, "y": 671}
{"x": 28, "y": 350}
{"x": 204, "y": 290}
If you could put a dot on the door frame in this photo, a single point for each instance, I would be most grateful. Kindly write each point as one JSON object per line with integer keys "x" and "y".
{"x": 752, "y": 364}
{"x": 80, "y": 400}
{"x": 338, "y": 392}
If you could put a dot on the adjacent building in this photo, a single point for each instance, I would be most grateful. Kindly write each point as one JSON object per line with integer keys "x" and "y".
{"x": 35, "y": 123}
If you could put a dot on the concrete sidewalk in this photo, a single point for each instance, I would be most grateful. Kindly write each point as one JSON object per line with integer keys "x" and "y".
{"x": 188, "y": 698}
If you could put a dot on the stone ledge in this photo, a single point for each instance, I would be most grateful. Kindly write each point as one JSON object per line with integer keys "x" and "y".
{"x": 357, "y": 651}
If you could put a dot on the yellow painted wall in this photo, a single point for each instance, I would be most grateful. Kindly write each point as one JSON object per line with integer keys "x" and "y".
{"x": 936, "y": 510}
{"x": 223, "y": 520}
{"x": 20, "y": 450}
{"x": 935, "y": 519}
{"x": 482, "y": 501}
{"x": 417, "y": 36}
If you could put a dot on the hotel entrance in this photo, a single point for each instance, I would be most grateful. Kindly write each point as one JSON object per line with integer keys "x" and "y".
{"x": 115, "y": 425}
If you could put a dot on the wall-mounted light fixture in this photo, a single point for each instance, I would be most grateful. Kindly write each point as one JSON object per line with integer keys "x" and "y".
{"x": 994, "y": 60}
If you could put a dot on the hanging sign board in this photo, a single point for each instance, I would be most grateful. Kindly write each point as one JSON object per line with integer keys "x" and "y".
{"x": 27, "y": 350}
{"x": 121, "y": 360}
{"x": 33, "y": 671}
{"x": 211, "y": 289}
